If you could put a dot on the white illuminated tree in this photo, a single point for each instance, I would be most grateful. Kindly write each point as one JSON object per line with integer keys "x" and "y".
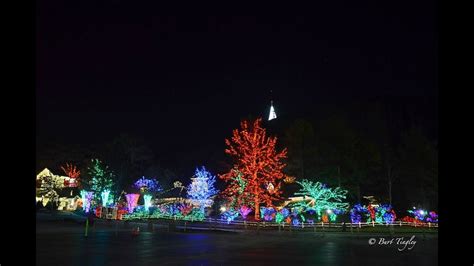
{"x": 201, "y": 190}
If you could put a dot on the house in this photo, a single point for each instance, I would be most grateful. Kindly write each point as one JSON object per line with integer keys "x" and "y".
{"x": 50, "y": 187}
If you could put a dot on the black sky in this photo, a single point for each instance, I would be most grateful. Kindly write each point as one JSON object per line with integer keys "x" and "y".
{"x": 184, "y": 82}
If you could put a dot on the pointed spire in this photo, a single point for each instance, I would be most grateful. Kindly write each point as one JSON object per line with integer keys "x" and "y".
{"x": 272, "y": 112}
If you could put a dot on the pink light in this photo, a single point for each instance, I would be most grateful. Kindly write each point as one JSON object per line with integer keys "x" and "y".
{"x": 244, "y": 211}
{"x": 132, "y": 201}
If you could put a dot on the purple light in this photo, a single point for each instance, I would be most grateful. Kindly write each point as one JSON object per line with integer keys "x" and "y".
{"x": 150, "y": 185}
{"x": 244, "y": 211}
{"x": 132, "y": 201}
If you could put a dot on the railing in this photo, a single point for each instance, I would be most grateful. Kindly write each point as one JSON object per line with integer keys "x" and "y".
{"x": 302, "y": 225}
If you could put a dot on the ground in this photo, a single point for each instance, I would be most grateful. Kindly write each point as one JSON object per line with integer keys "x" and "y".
{"x": 62, "y": 242}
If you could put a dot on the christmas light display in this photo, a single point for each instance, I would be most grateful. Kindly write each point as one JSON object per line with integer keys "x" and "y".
{"x": 268, "y": 214}
{"x": 46, "y": 176}
{"x": 173, "y": 209}
{"x": 197, "y": 215}
{"x": 229, "y": 215}
{"x": 333, "y": 214}
{"x": 48, "y": 184}
{"x": 244, "y": 211}
{"x": 424, "y": 216}
{"x": 357, "y": 212}
{"x": 270, "y": 187}
{"x": 147, "y": 185}
{"x": 279, "y": 217}
{"x": 258, "y": 162}
{"x": 147, "y": 202}
{"x": 384, "y": 213}
{"x": 102, "y": 177}
{"x": 86, "y": 197}
{"x": 132, "y": 201}
{"x": 49, "y": 196}
{"x": 71, "y": 171}
{"x": 262, "y": 212}
{"x": 320, "y": 198}
{"x": 201, "y": 190}
{"x": 185, "y": 209}
{"x": 389, "y": 217}
{"x": 324, "y": 218}
{"x": 297, "y": 213}
{"x": 285, "y": 212}
{"x": 105, "y": 197}
{"x": 371, "y": 210}
{"x": 295, "y": 221}
{"x": 241, "y": 197}
{"x": 159, "y": 212}
{"x": 419, "y": 214}
{"x": 433, "y": 217}
{"x": 408, "y": 219}
{"x": 139, "y": 213}
{"x": 98, "y": 211}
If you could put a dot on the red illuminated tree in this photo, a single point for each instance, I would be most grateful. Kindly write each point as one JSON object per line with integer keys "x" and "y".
{"x": 257, "y": 174}
{"x": 71, "y": 171}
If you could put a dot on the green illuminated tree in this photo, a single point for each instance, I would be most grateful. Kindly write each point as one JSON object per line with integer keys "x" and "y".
{"x": 101, "y": 178}
{"x": 319, "y": 197}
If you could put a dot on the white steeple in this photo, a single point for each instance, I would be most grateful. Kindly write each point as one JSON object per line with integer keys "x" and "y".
{"x": 272, "y": 112}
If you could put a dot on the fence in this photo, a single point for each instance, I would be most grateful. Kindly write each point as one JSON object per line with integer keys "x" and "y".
{"x": 263, "y": 225}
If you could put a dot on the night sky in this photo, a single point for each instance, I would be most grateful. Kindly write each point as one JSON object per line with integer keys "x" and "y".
{"x": 184, "y": 82}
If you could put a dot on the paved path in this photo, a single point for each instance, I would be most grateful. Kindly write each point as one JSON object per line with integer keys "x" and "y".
{"x": 63, "y": 243}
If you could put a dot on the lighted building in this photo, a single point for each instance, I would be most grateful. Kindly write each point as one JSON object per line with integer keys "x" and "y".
{"x": 50, "y": 187}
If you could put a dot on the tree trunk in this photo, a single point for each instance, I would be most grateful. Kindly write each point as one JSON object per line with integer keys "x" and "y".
{"x": 257, "y": 200}
{"x": 257, "y": 209}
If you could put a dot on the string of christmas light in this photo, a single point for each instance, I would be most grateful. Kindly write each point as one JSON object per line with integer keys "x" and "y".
{"x": 201, "y": 190}
{"x": 147, "y": 201}
{"x": 86, "y": 197}
{"x": 244, "y": 211}
{"x": 71, "y": 171}
{"x": 105, "y": 197}
{"x": 256, "y": 158}
{"x": 229, "y": 215}
{"x": 357, "y": 212}
{"x": 146, "y": 185}
{"x": 102, "y": 177}
{"x": 320, "y": 198}
{"x": 132, "y": 200}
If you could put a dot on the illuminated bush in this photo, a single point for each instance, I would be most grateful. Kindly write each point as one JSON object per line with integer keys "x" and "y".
{"x": 229, "y": 215}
